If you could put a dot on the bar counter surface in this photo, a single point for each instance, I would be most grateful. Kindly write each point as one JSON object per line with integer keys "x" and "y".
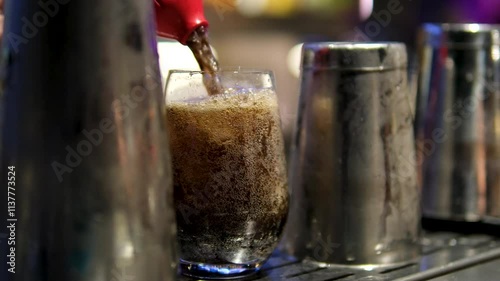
{"x": 470, "y": 254}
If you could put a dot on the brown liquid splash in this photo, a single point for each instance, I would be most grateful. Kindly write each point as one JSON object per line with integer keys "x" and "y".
{"x": 199, "y": 45}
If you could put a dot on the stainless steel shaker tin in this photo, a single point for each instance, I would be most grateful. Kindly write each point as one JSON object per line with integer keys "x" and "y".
{"x": 355, "y": 199}
{"x": 458, "y": 121}
{"x": 84, "y": 127}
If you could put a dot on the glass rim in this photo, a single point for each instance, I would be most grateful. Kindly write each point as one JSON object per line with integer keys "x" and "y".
{"x": 224, "y": 70}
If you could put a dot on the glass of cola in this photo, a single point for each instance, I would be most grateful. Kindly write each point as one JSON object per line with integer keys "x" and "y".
{"x": 230, "y": 182}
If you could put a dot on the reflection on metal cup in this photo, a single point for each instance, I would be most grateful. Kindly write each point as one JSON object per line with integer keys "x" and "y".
{"x": 82, "y": 123}
{"x": 458, "y": 121}
{"x": 355, "y": 199}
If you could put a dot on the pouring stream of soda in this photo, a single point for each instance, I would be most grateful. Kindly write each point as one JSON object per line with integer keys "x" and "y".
{"x": 198, "y": 43}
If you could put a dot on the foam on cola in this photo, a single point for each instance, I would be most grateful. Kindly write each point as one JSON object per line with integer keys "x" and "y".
{"x": 230, "y": 184}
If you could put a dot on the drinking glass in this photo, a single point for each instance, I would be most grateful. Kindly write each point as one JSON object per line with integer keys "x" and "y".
{"x": 230, "y": 184}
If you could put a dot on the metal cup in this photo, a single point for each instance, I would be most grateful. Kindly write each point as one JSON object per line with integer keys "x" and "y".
{"x": 83, "y": 135}
{"x": 355, "y": 199}
{"x": 458, "y": 121}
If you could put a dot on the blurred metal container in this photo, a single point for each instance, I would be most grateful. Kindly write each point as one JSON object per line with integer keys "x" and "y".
{"x": 355, "y": 199}
{"x": 458, "y": 121}
{"x": 83, "y": 124}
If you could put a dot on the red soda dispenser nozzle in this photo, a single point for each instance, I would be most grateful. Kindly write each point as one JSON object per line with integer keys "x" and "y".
{"x": 177, "y": 19}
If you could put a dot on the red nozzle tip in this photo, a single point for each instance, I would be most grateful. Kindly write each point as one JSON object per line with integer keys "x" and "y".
{"x": 177, "y": 19}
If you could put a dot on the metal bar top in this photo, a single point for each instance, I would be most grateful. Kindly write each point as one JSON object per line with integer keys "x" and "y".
{"x": 445, "y": 256}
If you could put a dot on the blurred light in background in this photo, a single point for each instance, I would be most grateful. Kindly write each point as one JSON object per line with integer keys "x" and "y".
{"x": 174, "y": 55}
{"x": 328, "y": 8}
{"x": 481, "y": 11}
{"x": 285, "y": 8}
{"x": 293, "y": 60}
{"x": 365, "y": 9}
{"x": 274, "y": 8}
{"x": 251, "y": 8}
{"x": 221, "y": 6}
{"x": 281, "y": 8}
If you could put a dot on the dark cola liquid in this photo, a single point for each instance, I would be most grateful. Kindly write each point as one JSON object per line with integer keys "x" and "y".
{"x": 199, "y": 45}
{"x": 230, "y": 184}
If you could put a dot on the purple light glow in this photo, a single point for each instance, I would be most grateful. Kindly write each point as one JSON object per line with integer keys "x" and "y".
{"x": 480, "y": 11}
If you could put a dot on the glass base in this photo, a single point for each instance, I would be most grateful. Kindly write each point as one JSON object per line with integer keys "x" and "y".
{"x": 218, "y": 271}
